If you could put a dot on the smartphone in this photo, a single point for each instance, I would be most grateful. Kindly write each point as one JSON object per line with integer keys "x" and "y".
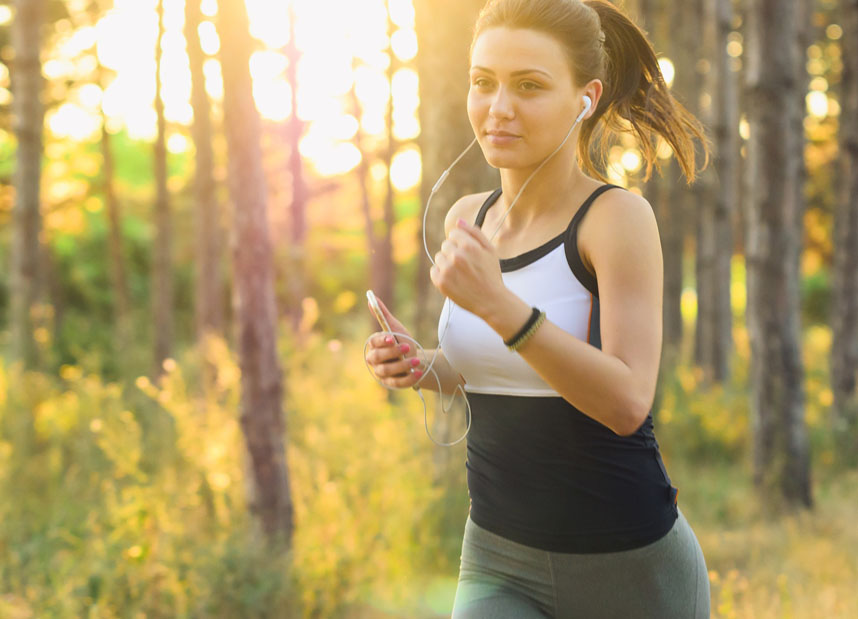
{"x": 379, "y": 316}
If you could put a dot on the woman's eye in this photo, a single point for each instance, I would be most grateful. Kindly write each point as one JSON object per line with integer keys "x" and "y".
{"x": 529, "y": 85}
{"x": 480, "y": 82}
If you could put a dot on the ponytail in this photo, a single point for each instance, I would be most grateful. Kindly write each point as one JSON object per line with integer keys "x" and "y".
{"x": 636, "y": 94}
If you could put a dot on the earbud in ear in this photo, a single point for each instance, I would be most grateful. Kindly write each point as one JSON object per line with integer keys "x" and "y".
{"x": 587, "y": 104}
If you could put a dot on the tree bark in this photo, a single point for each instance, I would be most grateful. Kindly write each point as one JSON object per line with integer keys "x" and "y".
{"x": 672, "y": 212}
{"x": 298, "y": 208}
{"x": 781, "y": 459}
{"x": 28, "y": 120}
{"x": 162, "y": 289}
{"x": 383, "y": 271}
{"x": 715, "y": 239}
{"x": 262, "y": 386}
{"x": 209, "y": 285}
{"x": 844, "y": 311}
{"x": 651, "y": 16}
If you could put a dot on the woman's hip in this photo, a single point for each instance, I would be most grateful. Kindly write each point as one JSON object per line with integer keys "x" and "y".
{"x": 666, "y": 578}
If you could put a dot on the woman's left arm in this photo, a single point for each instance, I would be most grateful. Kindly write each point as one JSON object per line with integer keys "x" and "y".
{"x": 615, "y": 385}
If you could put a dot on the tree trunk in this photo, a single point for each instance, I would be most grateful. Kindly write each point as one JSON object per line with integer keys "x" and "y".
{"x": 715, "y": 239}
{"x": 298, "y": 208}
{"x": 362, "y": 174}
{"x": 28, "y": 115}
{"x": 650, "y": 18}
{"x": 781, "y": 462}
{"x": 122, "y": 308}
{"x": 383, "y": 271}
{"x": 445, "y": 131}
{"x": 844, "y": 313}
{"x": 162, "y": 289}
{"x": 262, "y": 386}
{"x": 208, "y": 293}
{"x": 671, "y": 213}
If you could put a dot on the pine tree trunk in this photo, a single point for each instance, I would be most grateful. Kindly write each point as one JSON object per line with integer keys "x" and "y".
{"x": 28, "y": 119}
{"x": 715, "y": 239}
{"x": 209, "y": 285}
{"x": 649, "y": 14}
{"x": 122, "y": 309}
{"x": 298, "y": 207}
{"x": 382, "y": 272}
{"x": 162, "y": 289}
{"x": 781, "y": 462}
{"x": 672, "y": 212}
{"x": 262, "y": 386}
{"x": 445, "y": 131}
{"x": 844, "y": 316}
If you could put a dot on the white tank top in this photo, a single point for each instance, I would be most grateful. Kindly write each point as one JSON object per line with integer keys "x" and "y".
{"x": 550, "y": 277}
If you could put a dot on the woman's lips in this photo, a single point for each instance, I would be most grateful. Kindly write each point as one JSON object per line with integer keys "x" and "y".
{"x": 501, "y": 138}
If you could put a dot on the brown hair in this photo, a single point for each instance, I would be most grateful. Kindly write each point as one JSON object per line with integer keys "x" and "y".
{"x": 602, "y": 42}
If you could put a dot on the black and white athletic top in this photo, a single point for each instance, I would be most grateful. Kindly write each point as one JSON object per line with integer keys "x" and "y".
{"x": 540, "y": 471}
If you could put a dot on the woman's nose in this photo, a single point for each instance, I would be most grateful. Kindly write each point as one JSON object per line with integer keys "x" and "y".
{"x": 501, "y": 106}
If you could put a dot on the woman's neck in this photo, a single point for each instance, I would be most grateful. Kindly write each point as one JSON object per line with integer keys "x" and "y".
{"x": 548, "y": 191}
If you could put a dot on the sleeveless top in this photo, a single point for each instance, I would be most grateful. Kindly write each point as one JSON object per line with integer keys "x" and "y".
{"x": 540, "y": 471}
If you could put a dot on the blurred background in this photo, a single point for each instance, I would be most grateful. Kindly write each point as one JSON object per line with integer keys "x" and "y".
{"x": 195, "y": 196}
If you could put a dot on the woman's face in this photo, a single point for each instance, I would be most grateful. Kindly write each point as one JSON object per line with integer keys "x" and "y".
{"x": 522, "y": 100}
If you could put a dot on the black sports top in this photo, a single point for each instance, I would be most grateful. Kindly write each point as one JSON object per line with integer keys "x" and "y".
{"x": 540, "y": 471}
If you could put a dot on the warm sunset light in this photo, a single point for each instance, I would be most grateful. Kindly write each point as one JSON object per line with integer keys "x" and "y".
{"x": 326, "y": 73}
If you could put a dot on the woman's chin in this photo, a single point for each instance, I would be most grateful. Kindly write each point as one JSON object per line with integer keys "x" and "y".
{"x": 500, "y": 160}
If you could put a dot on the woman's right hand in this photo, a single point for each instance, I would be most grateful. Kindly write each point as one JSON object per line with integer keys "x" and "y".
{"x": 395, "y": 364}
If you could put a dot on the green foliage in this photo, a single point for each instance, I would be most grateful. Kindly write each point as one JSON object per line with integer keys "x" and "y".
{"x": 816, "y": 297}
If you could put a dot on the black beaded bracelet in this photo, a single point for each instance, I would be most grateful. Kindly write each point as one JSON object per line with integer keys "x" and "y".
{"x": 516, "y": 340}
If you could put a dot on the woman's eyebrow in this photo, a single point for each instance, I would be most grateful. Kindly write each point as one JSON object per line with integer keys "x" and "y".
{"x": 513, "y": 74}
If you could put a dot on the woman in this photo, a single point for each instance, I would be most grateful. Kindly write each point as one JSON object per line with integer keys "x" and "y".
{"x": 572, "y": 511}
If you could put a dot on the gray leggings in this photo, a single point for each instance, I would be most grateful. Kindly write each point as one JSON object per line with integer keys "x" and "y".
{"x": 500, "y": 578}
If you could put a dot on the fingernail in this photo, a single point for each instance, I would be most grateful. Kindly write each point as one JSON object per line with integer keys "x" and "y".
{"x": 418, "y": 373}
{"x": 462, "y": 222}
{"x": 415, "y": 361}
{"x": 388, "y": 340}
{"x": 405, "y": 347}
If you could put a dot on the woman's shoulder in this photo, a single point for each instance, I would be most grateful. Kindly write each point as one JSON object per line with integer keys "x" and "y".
{"x": 619, "y": 216}
{"x": 465, "y": 208}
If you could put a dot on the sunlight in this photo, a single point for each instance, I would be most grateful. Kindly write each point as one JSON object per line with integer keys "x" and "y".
{"x": 269, "y": 22}
{"x": 209, "y": 40}
{"x": 631, "y": 160}
{"x": 817, "y": 104}
{"x": 402, "y": 13}
{"x": 73, "y": 121}
{"x": 178, "y": 143}
{"x": 90, "y": 95}
{"x": 5, "y": 14}
{"x": 405, "y": 169}
{"x": 325, "y": 73}
{"x": 667, "y": 70}
{"x": 214, "y": 79}
{"x": 404, "y": 44}
{"x": 273, "y": 99}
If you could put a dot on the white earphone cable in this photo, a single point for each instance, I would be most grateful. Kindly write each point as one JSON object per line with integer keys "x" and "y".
{"x": 435, "y": 188}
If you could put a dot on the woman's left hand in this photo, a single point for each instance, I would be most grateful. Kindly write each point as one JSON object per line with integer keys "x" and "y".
{"x": 467, "y": 270}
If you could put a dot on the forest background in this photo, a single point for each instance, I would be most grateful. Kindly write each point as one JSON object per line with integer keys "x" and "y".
{"x": 194, "y": 197}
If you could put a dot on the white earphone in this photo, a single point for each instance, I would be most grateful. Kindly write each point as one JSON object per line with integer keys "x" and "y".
{"x": 588, "y": 103}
